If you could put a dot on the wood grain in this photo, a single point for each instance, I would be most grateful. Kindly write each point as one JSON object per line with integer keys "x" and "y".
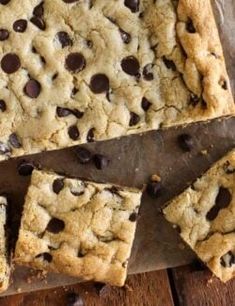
{"x": 148, "y": 289}
{"x": 200, "y": 288}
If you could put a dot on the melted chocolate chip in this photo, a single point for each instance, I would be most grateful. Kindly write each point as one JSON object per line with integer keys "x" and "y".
{"x": 126, "y": 37}
{"x": 32, "y": 89}
{"x": 134, "y": 119}
{"x": 133, "y": 5}
{"x": 74, "y": 91}
{"x": 99, "y": 83}
{"x": 222, "y": 201}
{"x": 64, "y": 39}
{"x": 4, "y": 149}
{"x": 20, "y": 25}
{"x": 3, "y": 106}
{"x": 190, "y": 26}
{"x": 227, "y": 260}
{"x": 75, "y": 62}
{"x": 65, "y": 112}
{"x": 58, "y": 185}
{"x": 38, "y": 22}
{"x": 147, "y": 72}
{"x": 145, "y": 104}
{"x": 130, "y": 65}
{"x": 10, "y": 63}
{"x": 39, "y": 10}
{"x": 4, "y": 34}
{"x": 74, "y": 299}
{"x": 154, "y": 189}
{"x": 45, "y": 256}
{"x": 185, "y": 142}
{"x": 101, "y": 161}
{"x": 55, "y": 225}
{"x": 114, "y": 190}
{"x": 73, "y": 132}
{"x": 223, "y": 84}
{"x": 14, "y": 141}
{"x": 194, "y": 100}
{"x": 77, "y": 113}
{"x": 89, "y": 43}
{"x": 90, "y": 135}
{"x": 25, "y": 168}
{"x": 228, "y": 168}
{"x": 70, "y": 1}
{"x": 133, "y": 217}
{"x": 169, "y": 63}
{"x": 84, "y": 156}
{"x": 4, "y": 2}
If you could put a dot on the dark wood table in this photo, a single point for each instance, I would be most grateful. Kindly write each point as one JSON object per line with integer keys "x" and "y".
{"x": 190, "y": 286}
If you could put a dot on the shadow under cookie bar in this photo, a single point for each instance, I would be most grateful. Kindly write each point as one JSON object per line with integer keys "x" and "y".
{"x": 204, "y": 214}
{"x": 4, "y": 252}
{"x": 79, "y": 228}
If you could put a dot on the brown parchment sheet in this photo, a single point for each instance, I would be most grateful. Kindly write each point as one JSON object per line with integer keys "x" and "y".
{"x": 133, "y": 160}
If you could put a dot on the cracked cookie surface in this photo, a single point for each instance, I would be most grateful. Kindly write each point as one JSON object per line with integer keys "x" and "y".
{"x": 204, "y": 214}
{"x": 77, "y": 71}
{"x": 78, "y": 228}
{"x": 4, "y": 256}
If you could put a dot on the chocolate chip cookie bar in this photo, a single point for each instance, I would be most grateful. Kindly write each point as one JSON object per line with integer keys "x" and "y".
{"x": 4, "y": 256}
{"x": 78, "y": 228}
{"x": 77, "y": 71}
{"x": 204, "y": 214}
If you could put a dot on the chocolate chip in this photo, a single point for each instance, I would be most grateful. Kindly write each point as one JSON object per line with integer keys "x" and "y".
{"x": 25, "y": 168}
{"x": 14, "y": 141}
{"x": 4, "y": 148}
{"x": 58, "y": 185}
{"x": 65, "y": 112}
{"x": 74, "y": 299}
{"x": 133, "y": 217}
{"x": 3, "y": 106}
{"x": 77, "y": 113}
{"x": 39, "y": 10}
{"x": 74, "y": 91}
{"x": 130, "y": 65}
{"x": 185, "y": 142}
{"x": 45, "y": 256}
{"x": 222, "y": 201}
{"x": 64, "y": 39}
{"x": 145, "y": 104}
{"x": 38, "y": 22}
{"x": 133, "y": 5}
{"x": 190, "y": 26}
{"x": 134, "y": 119}
{"x": 114, "y": 190}
{"x": 32, "y": 88}
{"x": 194, "y": 100}
{"x": 84, "y": 156}
{"x": 90, "y": 135}
{"x": 10, "y": 63}
{"x": 101, "y": 161}
{"x": 154, "y": 189}
{"x": 169, "y": 63}
{"x": 55, "y": 225}
{"x": 227, "y": 260}
{"x": 99, "y": 83}
{"x": 126, "y": 37}
{"x": 20, "y": 25}
{"x": 70, "y": 1}
{"x": 89, "y": 43}
{"x": 75, "y": 62}
{"x": 4, "y": 2}
{"x": 4, "y": 34}
{"x": 228, "y": 168}
{"x": 55, "y": 76}
{"x": 147, "y": 72}
{"x": 73, "y": 132}
{"x": 223, "y": 84}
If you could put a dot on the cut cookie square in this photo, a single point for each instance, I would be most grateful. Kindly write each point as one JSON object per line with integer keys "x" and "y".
{"x": 4, "y": 254}
{"x": 78, "y": 228}
{"x": 78, "y": 71}
{"x": 204, "y": 214}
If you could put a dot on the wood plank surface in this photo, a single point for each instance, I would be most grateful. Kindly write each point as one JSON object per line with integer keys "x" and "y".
{"x": 198, "y": 287}
{"x": 148, "y": 289}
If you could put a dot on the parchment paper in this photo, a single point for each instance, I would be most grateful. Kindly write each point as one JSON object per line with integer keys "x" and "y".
{"x": 133, "y": 160}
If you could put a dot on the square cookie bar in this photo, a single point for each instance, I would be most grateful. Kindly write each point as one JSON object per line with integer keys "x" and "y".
{"x": 204, "y": 214}
{"x": 75, "y": 71}
{"x": 4, "y": 254}
{"x": 78, "y": 228}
